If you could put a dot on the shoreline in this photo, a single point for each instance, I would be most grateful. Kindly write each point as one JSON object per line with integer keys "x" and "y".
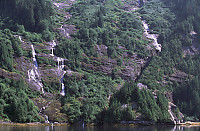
{"x": 33, "y": 124}
{"x": 187, "y": 124}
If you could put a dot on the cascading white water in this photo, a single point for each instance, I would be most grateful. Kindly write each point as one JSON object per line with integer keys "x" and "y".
{"x": 52, "y": 52}
{"x": 60, "y": 63}
{"x": 42, "y": 114}
{"x": 47, "y": 119}
{"x": 146, "y": 27}
{"x": 151, "y": 36}
{"x": 34, "y": 58}
{"x": 171, "y": 114}
{"x": 58, "y": 60}
{"x": 52, "y": 47}
{"x": 61, "y": 67}
{"x": 33, "y": 74}
{"x": 20, "y": 38}
{"x": 62, "y": 85}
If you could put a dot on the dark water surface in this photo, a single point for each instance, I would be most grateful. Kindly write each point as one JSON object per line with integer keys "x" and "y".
{"x": 96, "y": 128}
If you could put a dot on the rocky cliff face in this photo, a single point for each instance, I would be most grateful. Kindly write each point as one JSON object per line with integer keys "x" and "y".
{"x": 127, "y": 70}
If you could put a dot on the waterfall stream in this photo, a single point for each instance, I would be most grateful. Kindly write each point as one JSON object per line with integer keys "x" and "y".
{"x": 60, "y": 63}
{"x": 155, "y": 44}
{"x": 151, "y": 36}
{"x": 171, "y": 114}
{"x": 20, "y": 38}
{"x": 42, "y": 113}
{"x": 33, "y": 74}
{"x": 47, "y": 119}
{"x": 34, "y": 58}
{"x": 44, "y": 116}
{"x": 60, "y": 68}
{"x": 63, "y": 87}
{"x": 158, "y": 48}
{"x": 53, "y": 47}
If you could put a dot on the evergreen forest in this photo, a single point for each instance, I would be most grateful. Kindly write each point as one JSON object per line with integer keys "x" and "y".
{"x": 99, "y": 61}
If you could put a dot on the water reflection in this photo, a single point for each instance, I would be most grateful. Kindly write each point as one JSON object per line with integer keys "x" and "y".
{"x": 105, "y": 128}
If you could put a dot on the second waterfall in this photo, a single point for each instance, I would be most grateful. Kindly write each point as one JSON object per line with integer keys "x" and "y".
{"x": 61, "y": 69}
{"x": 61, "y": 66}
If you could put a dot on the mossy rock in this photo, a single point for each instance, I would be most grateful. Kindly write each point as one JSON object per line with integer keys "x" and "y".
{"x": 54, "y": 112}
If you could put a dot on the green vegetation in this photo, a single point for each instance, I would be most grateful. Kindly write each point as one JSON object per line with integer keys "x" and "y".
{"x": 33, "y": 14}
{"x": 152, "y": 109}
{"x": 98, "y": 23}
{"x": 9, "y": 48}
{"x": 95, "y": 92}
{"x": 87, "y": 99}
{"x": 15, "y": 102}
{"x": 174, "y": 25}
{"x": 16, "y": 18}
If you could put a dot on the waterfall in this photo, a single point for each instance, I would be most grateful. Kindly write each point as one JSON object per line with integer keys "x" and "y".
{"x": 42, "y": 113}
{"x": 45, "y": 116}
{"x": 63, "y": 86}
{"x": 47, "y": 119}
{"x": 172, "y": 115}
{"x": 58, "y": 59}
{"x": 20, "y": 38}
{"x": 52, "y": 52}
{"x": 146, "y": 27}
{"x": 60, "y": 68}
{"x": 60, "y": 63}
{"x": 63, "y": 89}
{"x": 33, "y": 74}
{"x": 34, "y": 58}
{"x": 52, "y": 47}
{"x": 151, "y": 36}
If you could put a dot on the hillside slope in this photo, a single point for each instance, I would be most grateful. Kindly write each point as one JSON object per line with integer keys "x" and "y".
{"x": 96, "y": 61}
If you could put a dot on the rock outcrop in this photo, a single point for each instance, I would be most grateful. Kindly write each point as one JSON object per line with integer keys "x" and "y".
{"x": 194, "y": 48}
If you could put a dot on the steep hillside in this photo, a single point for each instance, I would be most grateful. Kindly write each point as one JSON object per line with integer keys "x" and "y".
{"x": 95, "y": 61}
{"x": 176, "y": 69}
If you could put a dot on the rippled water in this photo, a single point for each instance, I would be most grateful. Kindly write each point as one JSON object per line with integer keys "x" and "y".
{"x": 98, "y": 128}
